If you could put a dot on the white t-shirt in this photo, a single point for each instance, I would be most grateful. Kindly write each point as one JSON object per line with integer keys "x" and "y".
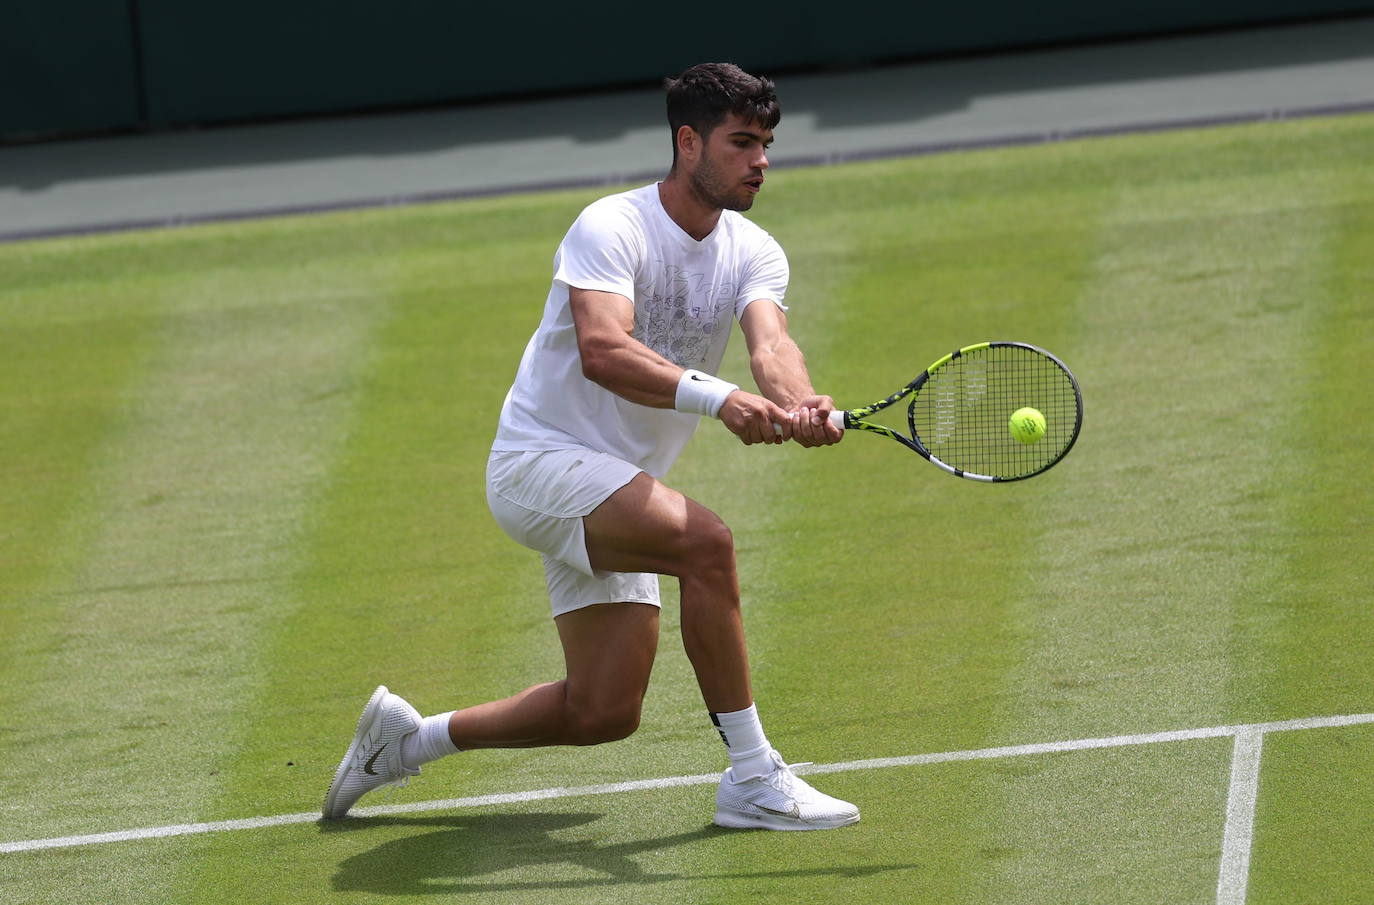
{"x": 686, "y": 295}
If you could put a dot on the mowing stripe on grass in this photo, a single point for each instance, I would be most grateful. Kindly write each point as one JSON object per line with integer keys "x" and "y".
{"x": 188, "y": 523}
{"x": 1247, "y": 737}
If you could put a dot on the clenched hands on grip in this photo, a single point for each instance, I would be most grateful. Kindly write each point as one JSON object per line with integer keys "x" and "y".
{"x": 755, "y": 419}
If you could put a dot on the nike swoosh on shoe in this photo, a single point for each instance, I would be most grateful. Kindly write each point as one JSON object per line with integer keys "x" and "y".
{"x": 372, "y": 762}
{"x": 794, "y": 812}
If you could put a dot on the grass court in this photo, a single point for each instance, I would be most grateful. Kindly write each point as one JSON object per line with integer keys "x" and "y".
{"x": 241, "y": 484}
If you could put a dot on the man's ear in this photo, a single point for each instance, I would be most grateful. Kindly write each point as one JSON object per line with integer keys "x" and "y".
{"x": 688, "y": 143}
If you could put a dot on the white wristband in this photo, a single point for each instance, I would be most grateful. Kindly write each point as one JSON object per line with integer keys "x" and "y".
{"x": 701, "y": 394}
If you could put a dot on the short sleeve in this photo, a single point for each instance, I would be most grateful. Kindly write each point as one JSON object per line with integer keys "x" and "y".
{"x": 600, "y": 252}
{"x": 765, "y": 277}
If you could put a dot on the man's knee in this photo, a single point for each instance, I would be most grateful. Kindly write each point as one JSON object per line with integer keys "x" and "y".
{"x": 606, "y": 723}
{"x": 711, "y": 544}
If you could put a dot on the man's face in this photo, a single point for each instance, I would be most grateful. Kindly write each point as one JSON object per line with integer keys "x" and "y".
{"x": 729, "y": 173}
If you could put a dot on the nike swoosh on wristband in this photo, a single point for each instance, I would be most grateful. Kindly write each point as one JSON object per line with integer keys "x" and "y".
{"x": 371, "y": 762}
{"x": 700, "y": 378}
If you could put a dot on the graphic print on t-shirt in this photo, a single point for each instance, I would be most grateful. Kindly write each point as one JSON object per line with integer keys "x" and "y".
{"x": 684, "y": 312}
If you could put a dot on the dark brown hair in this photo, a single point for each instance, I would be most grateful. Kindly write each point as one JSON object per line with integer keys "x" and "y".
{"x": 703, "y": 96}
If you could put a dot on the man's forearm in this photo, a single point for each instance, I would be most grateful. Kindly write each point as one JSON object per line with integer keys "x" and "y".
{"x": 780, "y": 372}
{"x": 633, "y": 371}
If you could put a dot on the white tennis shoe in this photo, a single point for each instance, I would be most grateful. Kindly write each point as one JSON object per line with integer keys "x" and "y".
{"x": 374, "y": 758}
{"x": 779, "y": 801}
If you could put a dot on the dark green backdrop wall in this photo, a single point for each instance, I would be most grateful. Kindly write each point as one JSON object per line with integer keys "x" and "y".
{"x": 108, "y": 64}
{"x": 67, "y": 66}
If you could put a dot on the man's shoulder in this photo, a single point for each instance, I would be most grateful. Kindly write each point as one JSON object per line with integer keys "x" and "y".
{"x": 620, "y": 219}
{"x": 633, "y": 204}
{"x": 744, "y": 231}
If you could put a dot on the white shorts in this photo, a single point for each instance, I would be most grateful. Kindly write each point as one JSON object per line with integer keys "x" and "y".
{"x": 539, "y": 499}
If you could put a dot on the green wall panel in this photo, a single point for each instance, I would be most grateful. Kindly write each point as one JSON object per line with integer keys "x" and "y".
{"x": 261, "y": 58}
{"x": 66, "y": 66}
{"x": 79, "y": 65}
{"x": 267, "y": 58}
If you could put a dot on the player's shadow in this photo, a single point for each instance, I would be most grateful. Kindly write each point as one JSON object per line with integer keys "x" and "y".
{"x": 486, "y": 853}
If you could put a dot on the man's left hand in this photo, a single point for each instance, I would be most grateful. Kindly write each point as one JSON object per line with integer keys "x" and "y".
{"x": 811, "y": 422}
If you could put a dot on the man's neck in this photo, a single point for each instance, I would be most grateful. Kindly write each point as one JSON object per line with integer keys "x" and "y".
{"x": 696, "y": 218}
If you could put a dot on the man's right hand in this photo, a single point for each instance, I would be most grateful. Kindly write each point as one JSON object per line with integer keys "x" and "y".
{"x": 752, "y": 418}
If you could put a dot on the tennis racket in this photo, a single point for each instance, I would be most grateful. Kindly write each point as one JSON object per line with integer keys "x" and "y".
{"x": 961, "y": 408}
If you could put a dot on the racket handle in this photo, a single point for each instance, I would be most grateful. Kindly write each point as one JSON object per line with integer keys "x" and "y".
{"x": 836, "y": 418}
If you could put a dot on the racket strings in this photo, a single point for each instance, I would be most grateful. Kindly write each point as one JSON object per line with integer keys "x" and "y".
{"x": 962, "y": 413}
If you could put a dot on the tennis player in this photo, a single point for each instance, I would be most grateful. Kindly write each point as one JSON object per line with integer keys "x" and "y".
{"x": 646, "y": 285}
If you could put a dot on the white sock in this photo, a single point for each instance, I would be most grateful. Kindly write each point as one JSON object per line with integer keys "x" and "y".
{"x": 744, "y": 740}
{"x": 430, "y": 742}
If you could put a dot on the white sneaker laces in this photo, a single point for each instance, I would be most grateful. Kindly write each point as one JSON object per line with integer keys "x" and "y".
{"x": 783, "y": 779}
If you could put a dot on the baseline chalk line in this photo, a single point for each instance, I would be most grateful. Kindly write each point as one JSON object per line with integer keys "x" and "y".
{"x": 1248, "y": 730}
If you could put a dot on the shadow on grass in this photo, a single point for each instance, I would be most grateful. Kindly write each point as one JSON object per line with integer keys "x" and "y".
{"x": 467, "y": 848}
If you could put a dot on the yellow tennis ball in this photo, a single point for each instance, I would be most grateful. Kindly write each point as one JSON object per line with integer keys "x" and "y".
{"x": 1027, "y": 425}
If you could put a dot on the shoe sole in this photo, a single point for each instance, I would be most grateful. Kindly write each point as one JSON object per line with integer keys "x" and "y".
{"x": 369, "y": 715}
{"x": 737, "y": 821}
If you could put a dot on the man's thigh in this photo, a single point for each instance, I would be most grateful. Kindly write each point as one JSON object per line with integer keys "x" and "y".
{"x": 647, "y": 526}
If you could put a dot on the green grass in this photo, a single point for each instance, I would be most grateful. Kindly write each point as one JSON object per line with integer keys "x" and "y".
{"x": 241, "y": 483}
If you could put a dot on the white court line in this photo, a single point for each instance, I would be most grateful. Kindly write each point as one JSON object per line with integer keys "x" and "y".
{"x": 1240, "y": 818}
{"x": 1116, "y": 741}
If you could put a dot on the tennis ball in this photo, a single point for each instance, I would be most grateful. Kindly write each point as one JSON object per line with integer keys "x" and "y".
{"x": 1027, "y": 425}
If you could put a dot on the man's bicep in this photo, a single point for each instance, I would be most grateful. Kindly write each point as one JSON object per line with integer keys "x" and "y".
{"x": 610, "y": 354}
{"x": 604, "y": 322}
{"x": 594, "y": 309}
